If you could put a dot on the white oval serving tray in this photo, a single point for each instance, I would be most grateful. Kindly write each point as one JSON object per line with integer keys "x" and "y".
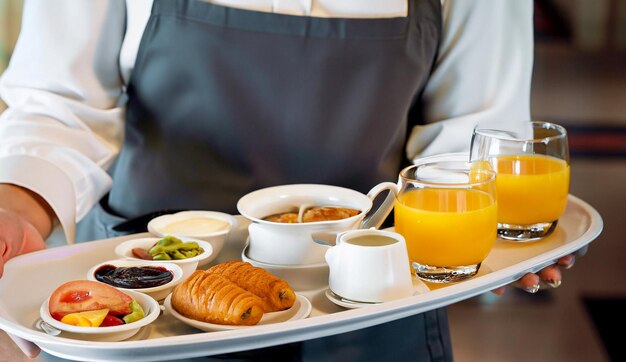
{"x": 167, "y": 338}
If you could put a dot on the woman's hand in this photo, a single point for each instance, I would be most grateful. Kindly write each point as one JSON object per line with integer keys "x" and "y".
{"x": 550, "y": 276}
{"x": 17, "y": 236}
{"x": 26, "y": 220}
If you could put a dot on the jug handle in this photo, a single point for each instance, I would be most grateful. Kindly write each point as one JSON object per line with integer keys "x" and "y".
{"x": 330, "y": 255}
{"x": 375, "y": 218}
{"x": 332, "y": 246}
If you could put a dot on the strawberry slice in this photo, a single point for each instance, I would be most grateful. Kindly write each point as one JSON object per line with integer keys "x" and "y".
{"x": 111, "y": 321}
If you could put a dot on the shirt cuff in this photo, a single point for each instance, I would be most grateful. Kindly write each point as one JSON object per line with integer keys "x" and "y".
{"x": 48, "y": 181}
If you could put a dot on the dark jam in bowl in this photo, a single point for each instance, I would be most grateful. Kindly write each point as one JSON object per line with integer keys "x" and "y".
{"x": 133, "y": 277}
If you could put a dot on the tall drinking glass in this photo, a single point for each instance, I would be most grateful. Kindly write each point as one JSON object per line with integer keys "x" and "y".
{"x": 531, "y": 160}
{"x": 446, "y": 211}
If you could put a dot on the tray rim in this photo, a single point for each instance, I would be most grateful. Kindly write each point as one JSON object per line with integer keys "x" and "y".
{"x": 314, "y": 327}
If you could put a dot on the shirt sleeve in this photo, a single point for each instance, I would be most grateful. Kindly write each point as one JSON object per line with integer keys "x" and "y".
{"x": 63, "y": 126}
{"x": 482, "y": 73}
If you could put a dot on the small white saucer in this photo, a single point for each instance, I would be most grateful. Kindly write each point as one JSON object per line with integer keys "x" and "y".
{"x": 346, "y": 303}
{"x": 419, "y": 287}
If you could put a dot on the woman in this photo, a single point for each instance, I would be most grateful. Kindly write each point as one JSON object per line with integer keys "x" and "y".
{"x": 191, "y": 104}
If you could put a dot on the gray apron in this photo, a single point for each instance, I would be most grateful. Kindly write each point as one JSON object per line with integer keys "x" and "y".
{"x": 225, "y": 101}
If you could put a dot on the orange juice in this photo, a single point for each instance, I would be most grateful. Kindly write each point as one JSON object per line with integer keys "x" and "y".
{"x": 446, "y": 227}
{"x": 531, "y": 189}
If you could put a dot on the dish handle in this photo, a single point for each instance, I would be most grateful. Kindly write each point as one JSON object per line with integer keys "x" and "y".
{"x": 376, "y": 216}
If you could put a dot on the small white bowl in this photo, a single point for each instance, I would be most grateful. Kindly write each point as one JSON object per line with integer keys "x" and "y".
{"x": 189, "y": 265}
{"x": 300, "y": 277}
{"x": 217, "y": 238}
{"x": 159, "y": 292}
{"x": 106, "y": 334}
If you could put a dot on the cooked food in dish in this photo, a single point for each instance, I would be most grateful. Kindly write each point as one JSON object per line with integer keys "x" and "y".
{"x": 328, "y": 213}
{"x": 212, "y": 298}
{"x": 314, "y": 214}
{"x": 88, "y": 303}
{"x": 286, "y": 218}
{"x": 275, "y": 293}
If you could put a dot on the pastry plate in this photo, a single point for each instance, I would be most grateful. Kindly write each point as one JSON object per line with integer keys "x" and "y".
{"x": 168, "y": 338}
{"x": 300, "y": 309}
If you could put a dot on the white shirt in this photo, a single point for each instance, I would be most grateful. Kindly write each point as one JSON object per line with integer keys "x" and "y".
{"x": 64, "y": 85}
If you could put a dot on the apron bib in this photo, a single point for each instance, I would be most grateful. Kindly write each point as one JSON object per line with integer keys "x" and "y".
{"x": 224, "y": 101}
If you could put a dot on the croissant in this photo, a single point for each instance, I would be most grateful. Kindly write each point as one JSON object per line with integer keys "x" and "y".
{"x": 210, "y": 297}
{"x": 275, "y": 292}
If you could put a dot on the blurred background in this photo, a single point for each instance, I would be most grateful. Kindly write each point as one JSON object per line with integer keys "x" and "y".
{"x": 580, "y": 83}
{"x": 10, "y": 15}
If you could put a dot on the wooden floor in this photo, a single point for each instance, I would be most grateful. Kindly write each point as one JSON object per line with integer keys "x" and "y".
{"x": 552, "y": 325}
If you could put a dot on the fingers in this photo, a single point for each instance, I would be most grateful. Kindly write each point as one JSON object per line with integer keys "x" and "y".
{"x": 567, "y": 261}
{"x": 499, "y": 291}
{"x": 529, "y": 282}
{"x": 551, "y": 275}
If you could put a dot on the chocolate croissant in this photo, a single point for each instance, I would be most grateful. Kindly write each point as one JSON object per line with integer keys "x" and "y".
{"x": 210, "y": 297}
{"x": 275, "y": 292}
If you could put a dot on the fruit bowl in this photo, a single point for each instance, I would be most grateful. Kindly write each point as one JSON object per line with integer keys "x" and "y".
{"x": 106, "y": 334}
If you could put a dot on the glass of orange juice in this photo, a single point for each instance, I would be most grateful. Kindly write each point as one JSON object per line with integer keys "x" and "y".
{"x": 531, "y": 160}
{"x": 446, "y": 210}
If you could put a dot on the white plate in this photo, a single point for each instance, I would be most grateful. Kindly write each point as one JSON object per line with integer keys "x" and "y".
{"x": 419, "y": 287}
{"x": 300, "y": 310}
{"x": 168, "y": 338}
